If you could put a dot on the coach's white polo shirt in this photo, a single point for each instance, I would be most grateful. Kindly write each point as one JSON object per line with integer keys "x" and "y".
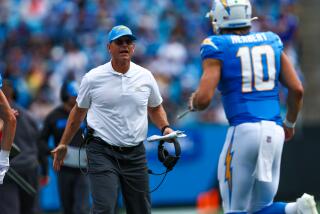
{"x": 118, "y": 103}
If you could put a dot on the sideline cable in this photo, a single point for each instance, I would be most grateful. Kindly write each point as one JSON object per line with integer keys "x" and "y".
{"x": 85, "y": 172}
{"x": 142, "y": 191}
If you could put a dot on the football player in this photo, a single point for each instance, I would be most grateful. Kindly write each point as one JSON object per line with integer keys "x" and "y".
{"x": 247, "y": 68}
{"x": 9, "y": 128}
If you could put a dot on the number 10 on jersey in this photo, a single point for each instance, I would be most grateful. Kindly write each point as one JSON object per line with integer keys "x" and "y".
{"x": 257, "y": 73}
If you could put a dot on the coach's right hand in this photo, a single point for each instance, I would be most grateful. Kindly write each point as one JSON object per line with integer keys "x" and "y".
{"x": 59, "y": 154}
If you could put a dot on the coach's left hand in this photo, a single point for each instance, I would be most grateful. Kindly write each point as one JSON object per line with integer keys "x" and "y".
{"x": 168, "y": 130}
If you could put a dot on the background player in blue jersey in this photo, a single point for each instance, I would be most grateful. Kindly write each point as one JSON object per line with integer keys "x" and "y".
{"x": 9, "y": 128}
{"x": 247, "y": 68}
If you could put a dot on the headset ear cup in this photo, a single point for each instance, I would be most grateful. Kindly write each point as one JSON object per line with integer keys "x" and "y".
{"x": 165, "y": 152}
{"x": 162, "y": 154}
{"x": 170, "y": 162}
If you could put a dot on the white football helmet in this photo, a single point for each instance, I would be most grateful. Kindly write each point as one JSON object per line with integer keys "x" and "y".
{"x": 231, "y": 14}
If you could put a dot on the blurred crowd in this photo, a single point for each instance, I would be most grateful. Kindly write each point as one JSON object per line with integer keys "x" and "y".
{"x": 44, "y": 42}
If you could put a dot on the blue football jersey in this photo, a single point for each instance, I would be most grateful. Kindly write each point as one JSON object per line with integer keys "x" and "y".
{"x": 249, "y": 81}
{"x": 0, "y": 81}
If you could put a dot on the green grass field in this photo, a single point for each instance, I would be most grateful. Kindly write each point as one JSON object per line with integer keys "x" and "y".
{"x": 186, "y": 210}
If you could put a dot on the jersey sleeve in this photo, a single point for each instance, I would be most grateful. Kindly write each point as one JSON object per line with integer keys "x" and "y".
{"x": 212, "y": 48}
{"x": 84, "y": 96}
{"x": 277, "y": 41}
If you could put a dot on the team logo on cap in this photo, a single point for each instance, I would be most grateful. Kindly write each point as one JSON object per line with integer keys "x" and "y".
{"x": 121, "y": 28}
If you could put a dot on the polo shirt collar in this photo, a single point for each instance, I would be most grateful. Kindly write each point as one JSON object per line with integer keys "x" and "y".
{"x": 128, "y": 74}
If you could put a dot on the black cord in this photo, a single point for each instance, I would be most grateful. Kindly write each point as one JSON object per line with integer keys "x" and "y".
{"x": 155, "y": 173}
{"x": 85, "y": 143}
{"x": 135, "y": 189}
{"x": 157, "y": 187}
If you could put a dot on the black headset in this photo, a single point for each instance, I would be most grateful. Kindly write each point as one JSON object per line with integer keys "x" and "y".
{"x": 168, "y": 160}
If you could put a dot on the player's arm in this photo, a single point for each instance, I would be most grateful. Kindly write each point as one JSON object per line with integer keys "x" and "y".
{"x": 201, "y": 98}
{"x": 9, "y": 126}
{"x": 75, "y": 118}
{"x": 8, "y": 132}
{"x": 289, "y": 78}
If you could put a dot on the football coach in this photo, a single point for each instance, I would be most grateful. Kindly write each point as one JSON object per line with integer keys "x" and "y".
{"x": 116, "y": 98}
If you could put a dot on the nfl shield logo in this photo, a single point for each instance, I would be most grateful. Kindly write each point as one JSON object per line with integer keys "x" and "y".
{"x": 268, "y": 139}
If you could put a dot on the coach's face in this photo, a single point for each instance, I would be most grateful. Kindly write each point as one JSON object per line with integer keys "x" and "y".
{"x": 122, "y": 48}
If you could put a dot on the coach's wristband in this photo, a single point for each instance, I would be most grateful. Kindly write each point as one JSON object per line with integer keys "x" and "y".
{"x": 289, "y": 124}
{"x": 164, "y": 128}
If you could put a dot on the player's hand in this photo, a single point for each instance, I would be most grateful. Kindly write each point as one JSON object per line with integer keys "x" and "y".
{"x": 3, "y": 171}
{"x": 288, "y": 133}
{"x": 4, "y": 167}
{"x": 59, "y": 154}
{"x": 15, "y": 112}
{"x": 190, "y": 104}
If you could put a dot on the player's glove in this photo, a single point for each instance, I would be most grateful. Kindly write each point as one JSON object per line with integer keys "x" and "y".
{"x": 4, "y": 164}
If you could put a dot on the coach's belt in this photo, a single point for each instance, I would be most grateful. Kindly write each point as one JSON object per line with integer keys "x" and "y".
{"x": 115, "y": 148}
